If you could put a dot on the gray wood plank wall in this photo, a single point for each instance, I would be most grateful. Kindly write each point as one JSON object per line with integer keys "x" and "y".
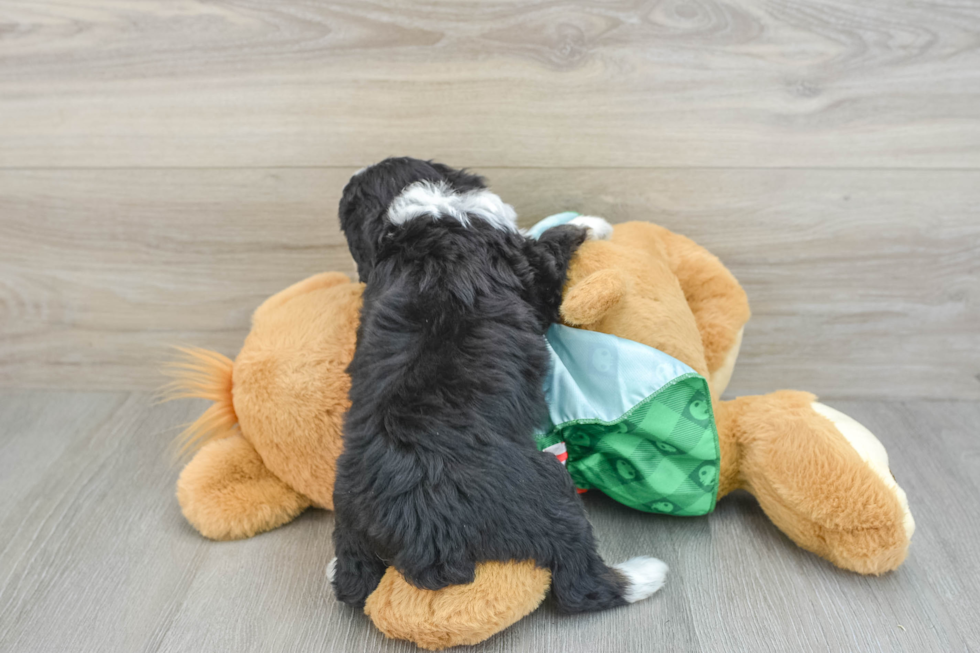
{"x": 164, "y": 167}
{"x": 863, "y": 283}
{"x": 744, "y": 83}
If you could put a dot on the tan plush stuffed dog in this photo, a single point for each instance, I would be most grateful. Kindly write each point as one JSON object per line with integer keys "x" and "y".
{"x": 273, "y": 435}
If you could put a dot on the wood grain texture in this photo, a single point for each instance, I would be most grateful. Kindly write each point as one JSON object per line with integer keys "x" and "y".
{"x": 627, "y": 83}
{"x": 165, "y": 165}
{"x": 95, "y": 556}
{"x": 862, "y": 285}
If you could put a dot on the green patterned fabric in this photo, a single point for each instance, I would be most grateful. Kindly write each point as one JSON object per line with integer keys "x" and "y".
{"x": 661, "y": 457}
{"x": 635, "y": 423}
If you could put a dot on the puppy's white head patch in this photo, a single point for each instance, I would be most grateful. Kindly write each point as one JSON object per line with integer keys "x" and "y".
{"x": 440, "y": 201}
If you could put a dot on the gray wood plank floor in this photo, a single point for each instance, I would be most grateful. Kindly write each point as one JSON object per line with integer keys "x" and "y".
{"x": 95, "y": 555}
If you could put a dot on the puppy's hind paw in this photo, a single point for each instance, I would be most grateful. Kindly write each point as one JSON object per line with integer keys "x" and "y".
{"x": 643, "y": 575}
{"x": 597, "y": 228}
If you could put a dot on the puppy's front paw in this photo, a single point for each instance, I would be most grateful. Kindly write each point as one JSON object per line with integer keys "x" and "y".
{"x": 598, "y": 228}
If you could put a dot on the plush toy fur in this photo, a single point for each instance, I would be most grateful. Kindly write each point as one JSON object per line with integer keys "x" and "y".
{"x": 821, "y": 477}
{"x": 272, "y": 438}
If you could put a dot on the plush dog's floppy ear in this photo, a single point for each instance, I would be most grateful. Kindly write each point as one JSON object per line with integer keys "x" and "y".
{"x": 590, "y": 299}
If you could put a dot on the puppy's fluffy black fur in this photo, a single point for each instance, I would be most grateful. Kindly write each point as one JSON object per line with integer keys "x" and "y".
{"x": 439, "y": 469}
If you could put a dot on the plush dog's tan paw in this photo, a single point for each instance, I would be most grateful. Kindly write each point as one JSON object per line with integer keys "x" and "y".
{"x": 226, "y": 493}
{"x": 872, "y": 452}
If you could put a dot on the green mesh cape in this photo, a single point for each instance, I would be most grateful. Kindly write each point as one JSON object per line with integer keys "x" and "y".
{"x": 629, "y": 420}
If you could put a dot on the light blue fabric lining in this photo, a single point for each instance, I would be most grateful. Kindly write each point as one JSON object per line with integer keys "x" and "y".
{"x": 600, "y": 376}
{"x": 549, "y": 222}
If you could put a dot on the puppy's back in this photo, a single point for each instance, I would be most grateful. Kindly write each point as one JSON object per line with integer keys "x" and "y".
{"x": 448, "y": 339}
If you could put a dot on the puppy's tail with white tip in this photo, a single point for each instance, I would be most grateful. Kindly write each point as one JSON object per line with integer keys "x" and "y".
{"x": 589, "y": 584}
{"x": 643, "y": 576}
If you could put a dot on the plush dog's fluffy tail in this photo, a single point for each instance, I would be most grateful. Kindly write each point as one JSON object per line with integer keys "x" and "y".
{"x": 202, "y": 374}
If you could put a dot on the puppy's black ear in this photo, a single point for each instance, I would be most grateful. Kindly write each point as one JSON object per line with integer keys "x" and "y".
{"x": 361, "y": 211}
{"x": 550, "y": 256}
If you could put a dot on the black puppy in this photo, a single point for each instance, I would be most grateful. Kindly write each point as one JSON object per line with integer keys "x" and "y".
{"x": 439, "y": 469}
